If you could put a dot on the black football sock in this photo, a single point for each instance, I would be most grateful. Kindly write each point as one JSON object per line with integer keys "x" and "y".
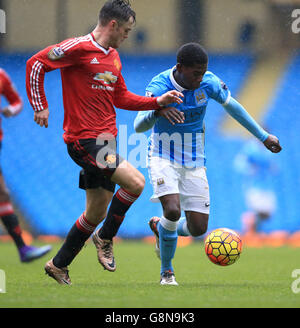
{"x": 12, "y": 225}
{"x": 77, "y": 236}
{"x": 120, "y": 204}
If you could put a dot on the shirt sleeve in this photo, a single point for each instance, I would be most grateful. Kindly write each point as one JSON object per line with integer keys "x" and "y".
{"x": 127, "y": 100}
{"x": 218, "y": 90}
{"x": 239, "y": 113}
{"x": 61, "y": 55}
{"x": 145, "y": 120}
{"x": 12, "y": 96}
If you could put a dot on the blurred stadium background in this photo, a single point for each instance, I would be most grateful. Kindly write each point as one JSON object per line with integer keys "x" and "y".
{"x": 252, "y": 48}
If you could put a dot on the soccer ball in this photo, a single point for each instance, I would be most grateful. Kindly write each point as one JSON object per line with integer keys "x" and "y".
{"x": 223, "y": 246}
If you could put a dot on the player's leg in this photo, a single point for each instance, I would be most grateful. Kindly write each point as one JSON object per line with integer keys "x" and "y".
{"x": 195, "y": 202}
{"x": 131, "y": 183}
{"x": 99, "y": 191}
{"x": 9, "y": 219}
{"x": 167, "y": 229}
{"x": 97, "y": 201}
{"x": 100, "y": 156}
{"x": 194, "y": 224}
{"x": 164, "y": 179}
{"x": 102, "y": 168}
{"x": 11, "y": 223}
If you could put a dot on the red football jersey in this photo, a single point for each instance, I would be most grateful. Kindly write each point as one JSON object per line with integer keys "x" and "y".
{"x": 10, "y": 93}
{"x": 92, "y": 84}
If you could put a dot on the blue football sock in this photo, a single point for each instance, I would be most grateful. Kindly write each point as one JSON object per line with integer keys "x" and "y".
{"x": 167, "y": 245}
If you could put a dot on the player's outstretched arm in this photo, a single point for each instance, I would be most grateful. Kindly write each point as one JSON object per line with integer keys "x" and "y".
{"x": 130, "y": 101}
{"x": 239, "y": 113}
{"x": 145, "y": 120}
{"x": 170, "y": 97}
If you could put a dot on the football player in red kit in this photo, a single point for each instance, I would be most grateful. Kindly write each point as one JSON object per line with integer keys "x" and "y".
{"x": 8, "y": 217}
{"x": 92, "y": 85}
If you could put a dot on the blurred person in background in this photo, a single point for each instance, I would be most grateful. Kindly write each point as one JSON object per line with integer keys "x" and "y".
{"x": 8, "y": 217}
{"x": 93, "y": 84}
{"x": 257, "y": 170}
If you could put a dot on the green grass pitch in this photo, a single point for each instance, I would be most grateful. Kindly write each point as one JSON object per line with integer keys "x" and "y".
{"x": 260, "y": 278}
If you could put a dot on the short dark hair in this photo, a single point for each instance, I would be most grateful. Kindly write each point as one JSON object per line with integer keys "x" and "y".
{"x": 120, "y": 10}
{"x": 192, "y": 53}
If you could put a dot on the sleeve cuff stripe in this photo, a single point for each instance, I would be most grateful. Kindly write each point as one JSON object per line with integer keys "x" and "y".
{"x": 228, "y": 99}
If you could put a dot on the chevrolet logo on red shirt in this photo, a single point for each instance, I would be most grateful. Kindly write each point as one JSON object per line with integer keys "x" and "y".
{"x": 106, "y": 77}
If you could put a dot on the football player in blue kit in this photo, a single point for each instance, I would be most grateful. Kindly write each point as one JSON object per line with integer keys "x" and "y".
{"x": 176, "y": 155}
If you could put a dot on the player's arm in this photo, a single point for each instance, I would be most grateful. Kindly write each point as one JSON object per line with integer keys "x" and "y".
{"x": 51, "y": 58}
{"x": 145, "y": 120}
{"x": 15, "y": 102}
{"x": 239, "y": 113}
{"x": 127, "y": 100}
{"x": 219, "y": 91}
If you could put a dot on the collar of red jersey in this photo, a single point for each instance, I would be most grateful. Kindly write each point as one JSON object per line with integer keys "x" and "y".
{"x": 94, "y": 42}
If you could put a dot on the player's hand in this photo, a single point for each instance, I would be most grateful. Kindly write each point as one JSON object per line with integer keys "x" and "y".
{"x": 272, "y": 143}
{"x": 169, "y": 98}
{"x": 41, "y": 118}
{"x": 6, "y": 112}
{"x": 172, "y": 114}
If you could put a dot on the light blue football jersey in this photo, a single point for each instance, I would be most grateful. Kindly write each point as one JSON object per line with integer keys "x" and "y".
{"x": 184, "y": 143}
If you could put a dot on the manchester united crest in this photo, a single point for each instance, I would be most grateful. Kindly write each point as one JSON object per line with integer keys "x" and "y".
{"x": 110, "y": 159}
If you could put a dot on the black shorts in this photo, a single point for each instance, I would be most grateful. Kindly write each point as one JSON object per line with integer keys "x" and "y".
{"x": 98, "y": 162}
